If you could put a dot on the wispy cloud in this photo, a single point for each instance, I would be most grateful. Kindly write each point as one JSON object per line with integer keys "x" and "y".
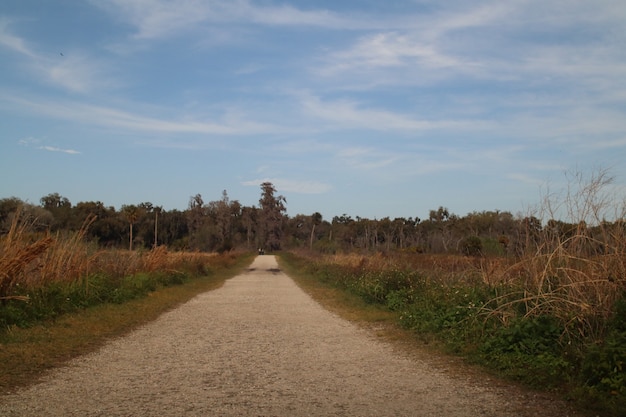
{"x": 366, "y": 158}
{"x": 35, "y": 143}
{"x": 499, "y": 41}
{"x": 11, "y": 41}
{"x": 155, "y": 19}
{"x": 390, "y": 49}
{"x": 72, "y": 70}
{"x": 292, "y": 186}
{"x": 54, "y": 149}
{"x": 352, "y": 115}
{"x": 77, "y": 73}
{"x": 109, "y": 117}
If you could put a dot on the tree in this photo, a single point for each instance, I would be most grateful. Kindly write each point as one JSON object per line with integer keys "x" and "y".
{"x": 8, "y": 208}
{"x": 132, "y": 213}
{"x": 224, "y": 214}
{"x": 272, "y": 215}
{"x": 441, "y": 219}
{"x": 195, "y": 220}
{"x": 157, "y": 211}
{"x": 108, "y": 227}
{"x": 471, "y": 246}
{"x": 316, "y": 220}
{"x": 249, "y": 217}
{"x": 344, "y": 231}
{"x": 39, "y": 218}
{"x": 173, "y": 229}
{"x": 60, "y": 208}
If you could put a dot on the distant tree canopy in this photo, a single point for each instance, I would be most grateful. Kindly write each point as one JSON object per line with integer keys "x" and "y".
{"x": 272, "y": 217}
{"x": 225, "y": 224}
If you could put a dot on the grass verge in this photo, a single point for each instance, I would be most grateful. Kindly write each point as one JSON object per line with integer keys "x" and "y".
{"x": 381, "y": 321}
{"x": 27, "y": 353}
{"x": 388, "y": 324}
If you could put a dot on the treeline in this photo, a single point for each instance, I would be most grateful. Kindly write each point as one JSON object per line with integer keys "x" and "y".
{"x": 211, "y": 226}
{"x": 225, "y": 224}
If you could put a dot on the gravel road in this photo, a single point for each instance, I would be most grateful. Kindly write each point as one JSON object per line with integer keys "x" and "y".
{"x": 260, "y": 346}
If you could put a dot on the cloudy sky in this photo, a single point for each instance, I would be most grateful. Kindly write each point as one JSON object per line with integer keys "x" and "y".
{"x": 363, "y": 107}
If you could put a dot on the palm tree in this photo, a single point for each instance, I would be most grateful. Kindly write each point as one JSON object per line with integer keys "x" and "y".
{"x": 132, "y": 214}
{"x": 316, "y": 219}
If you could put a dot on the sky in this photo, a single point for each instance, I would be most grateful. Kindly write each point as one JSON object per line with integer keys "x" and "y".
{"x": 358, "y": 107}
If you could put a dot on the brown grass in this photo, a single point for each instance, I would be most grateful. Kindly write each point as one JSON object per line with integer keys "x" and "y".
{"x": 32, "y": 260}
{"x": 25, "y": 354}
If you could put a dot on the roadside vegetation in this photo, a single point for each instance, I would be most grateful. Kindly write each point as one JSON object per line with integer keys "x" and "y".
{"x": 552, "y": 317}
{"x": 539, "y": 297}
{"x": 73, "y": 276}
{"x": 62, "y": 296}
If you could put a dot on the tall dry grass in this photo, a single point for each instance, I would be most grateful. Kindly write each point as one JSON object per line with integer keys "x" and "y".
{"x": 573, "y": 270}
{"x": 30, "y": 260}
{"x": 19, "y": 252}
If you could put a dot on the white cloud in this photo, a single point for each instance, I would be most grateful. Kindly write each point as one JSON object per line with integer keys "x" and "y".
{"x": 108, "y": 117}
{"x": 11, "y": 41}
{"x": 35, "y": 143}
{"x": 77, "y": 73}
{"x": 389, "y": 49}
{"x": 349, "y": 114}
{"x": 366, "y": 159}
{"x": 55, "y": 149}
{"x": 155, "y": 19}
{"x": 71, "y": 70}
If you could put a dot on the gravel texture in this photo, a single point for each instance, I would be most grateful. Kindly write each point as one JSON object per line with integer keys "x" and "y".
{"x": 260, "y": 346}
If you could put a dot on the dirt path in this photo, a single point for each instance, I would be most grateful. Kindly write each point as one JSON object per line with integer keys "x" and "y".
{"x": 259, "y": 346}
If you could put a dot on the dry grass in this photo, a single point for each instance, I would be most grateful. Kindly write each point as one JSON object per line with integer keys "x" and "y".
{"x": 564, "y": 282}
{"x": 25, "y": 354}
{"x": 559, "y": 277}
{"x": 576, "y": 270}
{"x": 29, "y": 260}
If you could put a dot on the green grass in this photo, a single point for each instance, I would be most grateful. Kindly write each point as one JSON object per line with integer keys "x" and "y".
{"x": 26, "y": 353}
{"x": 379, "y": 319}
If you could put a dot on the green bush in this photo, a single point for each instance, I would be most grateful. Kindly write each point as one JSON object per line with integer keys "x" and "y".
{"x": 528, "y": 349}
{"x": 603, "y": 368}
{"x": 55, "y": 299}
{"x": 540, "y": 350}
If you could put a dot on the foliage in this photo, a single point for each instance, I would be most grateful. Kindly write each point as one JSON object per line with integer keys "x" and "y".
{"x": 542, "y": 347}
{"x": 272, "y": 214}
{"x": 43, "y": 276}
{"x": 603, "y": 369}
{"x": 590, "y": 205}
{"x": 540, "y": 294}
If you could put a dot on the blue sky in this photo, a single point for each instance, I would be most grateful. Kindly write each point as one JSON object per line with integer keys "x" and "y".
{"x": 363, "y": 107}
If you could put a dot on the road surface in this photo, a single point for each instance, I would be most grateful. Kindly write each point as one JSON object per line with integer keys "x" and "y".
{"x": 260, "y": 346}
